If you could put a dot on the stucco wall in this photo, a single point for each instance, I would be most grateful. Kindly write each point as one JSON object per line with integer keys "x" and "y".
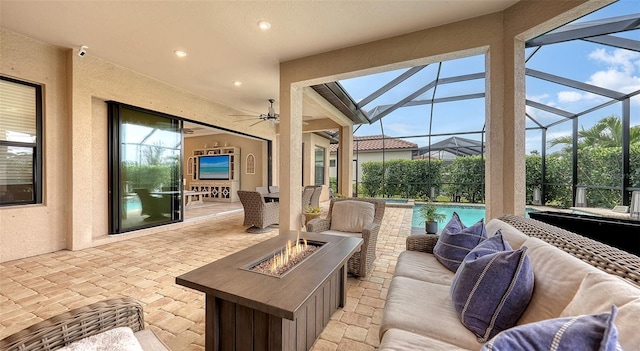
{"x": 74, "y": 212}
{"x": 36, "y": 229}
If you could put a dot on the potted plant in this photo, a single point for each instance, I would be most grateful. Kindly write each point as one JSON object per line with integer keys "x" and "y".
{"x": 311, "y": 212}
{"x": 431, "y": 217}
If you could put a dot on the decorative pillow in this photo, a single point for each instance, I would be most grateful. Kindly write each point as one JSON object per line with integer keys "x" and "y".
{"x": 593, "y": 332}
{"x": 117, "y": 339}
{"x": 491, "y": 290}
{"x": 456, "y": 240}
{"x": 351, "y": 216}
{"x": 454, "y": 225}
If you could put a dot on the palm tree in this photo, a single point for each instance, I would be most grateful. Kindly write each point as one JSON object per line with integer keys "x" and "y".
{"x": 606, "y": 133}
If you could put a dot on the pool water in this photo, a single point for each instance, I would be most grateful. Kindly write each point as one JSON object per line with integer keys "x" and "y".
{"x": 469, "y": 215}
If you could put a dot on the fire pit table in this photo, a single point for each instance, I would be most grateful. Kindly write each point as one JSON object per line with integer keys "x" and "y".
{"x": 250, "y": 310}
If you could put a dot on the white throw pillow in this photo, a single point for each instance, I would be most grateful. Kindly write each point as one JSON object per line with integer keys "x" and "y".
{"x": 351, "y": 216}
{"x": 117, "y": 339}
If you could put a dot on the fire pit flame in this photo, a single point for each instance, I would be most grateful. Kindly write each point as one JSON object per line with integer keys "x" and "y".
{"x": 290, "y": 253}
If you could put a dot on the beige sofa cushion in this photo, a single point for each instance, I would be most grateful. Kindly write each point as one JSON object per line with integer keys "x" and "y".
{"x": 426, "y": 309}
{"x": 397, "y": 339}
{"x": 598, "y": 292}
{"x": 509, "y": 232}
{"x": 422, "y": 266}
{"x": 557, "y": 278}
{"x": 351, "y": 216}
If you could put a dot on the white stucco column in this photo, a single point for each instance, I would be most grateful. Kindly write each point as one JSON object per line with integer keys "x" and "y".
{"x": 290, "y": 169}
{"x": 345, "y": 157}
{"x": 505, "y": 120}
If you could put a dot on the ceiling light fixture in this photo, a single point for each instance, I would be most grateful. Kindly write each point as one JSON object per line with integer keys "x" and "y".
{"x": 264, "y": 25}
{"x": 180, "y": 53}
{"x": 237, "y": 83}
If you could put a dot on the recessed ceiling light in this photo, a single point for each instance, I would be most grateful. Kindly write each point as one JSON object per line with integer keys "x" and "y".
{"x": 264, "y": 25}
{"x": 180, "y": 53}
{"x": 237, "y": 83}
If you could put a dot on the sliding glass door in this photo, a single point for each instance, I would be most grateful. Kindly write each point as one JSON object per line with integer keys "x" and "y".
{"x": 145, "y": 168}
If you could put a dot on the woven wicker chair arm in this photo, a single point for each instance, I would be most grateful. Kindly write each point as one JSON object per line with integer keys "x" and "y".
{"x": 422, "y": 242}
{"x": 318, "y": 225}
{"x": 65, "y": 328}
{"x": 371, "y": 227}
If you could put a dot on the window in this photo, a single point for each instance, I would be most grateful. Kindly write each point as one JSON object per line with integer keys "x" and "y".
{"x": 319, "y": 165}
{"x": 332, "y": 163}
{"x": 20, "y": 142}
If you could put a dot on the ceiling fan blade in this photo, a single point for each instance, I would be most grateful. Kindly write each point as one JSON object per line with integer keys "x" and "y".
{"x": 260, "y": 121}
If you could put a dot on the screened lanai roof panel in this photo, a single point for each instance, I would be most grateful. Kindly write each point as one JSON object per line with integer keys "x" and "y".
{"x": 557, "y": 96}
{"x": 361, "y": 87}
{"x": 468, "y": 87}
{"x": 612, "y": 64}
{"x": 458, "y": 116}
{"x": 543, "y": 117}
{"x": 412, "y": 120}
{"x": 404, "y": 89}
{"x": 462, "y": 66}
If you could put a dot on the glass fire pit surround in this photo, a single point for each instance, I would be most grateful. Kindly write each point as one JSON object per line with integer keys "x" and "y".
{"x": 284, "y": 260}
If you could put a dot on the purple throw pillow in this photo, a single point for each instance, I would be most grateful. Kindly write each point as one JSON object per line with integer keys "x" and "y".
{"x": 491, "y": 290}
{"x": 592, "y": 332}
{"x": 456, "y": 241}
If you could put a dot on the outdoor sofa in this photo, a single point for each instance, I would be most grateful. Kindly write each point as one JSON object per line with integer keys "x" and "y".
{"x": 573, "y": 276}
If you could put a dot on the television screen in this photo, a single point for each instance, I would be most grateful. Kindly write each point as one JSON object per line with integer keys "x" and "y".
{"x": 213, "y": 167}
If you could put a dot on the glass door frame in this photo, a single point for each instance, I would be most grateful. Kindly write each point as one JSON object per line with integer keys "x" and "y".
{"x": 115, "y": 168}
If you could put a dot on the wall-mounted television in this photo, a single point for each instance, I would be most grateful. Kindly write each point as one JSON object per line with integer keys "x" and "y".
{"x": 213, "y": 167}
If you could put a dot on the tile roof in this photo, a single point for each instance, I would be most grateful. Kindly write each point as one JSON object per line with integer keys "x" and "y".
{"x": 374, "y": 143}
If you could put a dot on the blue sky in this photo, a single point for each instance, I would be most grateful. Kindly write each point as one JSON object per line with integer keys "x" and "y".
{"x": 596, "y": 64}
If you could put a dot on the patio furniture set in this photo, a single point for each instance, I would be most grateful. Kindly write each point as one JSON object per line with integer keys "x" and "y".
{"x": 571, "y": 279}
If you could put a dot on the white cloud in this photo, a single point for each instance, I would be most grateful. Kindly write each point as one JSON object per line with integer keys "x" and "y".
{"x": 538, "y": 98}
{"x": 619, "y": 58}
{"x": 621, "y": 73}
{"x": 569, "y": 96}
{"x": 399, "y": 129}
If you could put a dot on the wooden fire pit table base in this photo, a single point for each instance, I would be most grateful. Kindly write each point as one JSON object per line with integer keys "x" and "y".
{"x": 252, "y": 311}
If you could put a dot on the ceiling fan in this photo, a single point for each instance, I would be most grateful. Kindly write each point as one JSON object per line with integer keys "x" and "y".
{"x": 271, "y": 116}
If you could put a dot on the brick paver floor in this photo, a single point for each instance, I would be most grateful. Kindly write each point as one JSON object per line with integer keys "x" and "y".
{"x": 144, "y": 268}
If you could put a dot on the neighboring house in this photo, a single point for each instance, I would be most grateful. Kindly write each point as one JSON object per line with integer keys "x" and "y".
{"x": 371, "y": 148}
{"x": 450, "y": 148}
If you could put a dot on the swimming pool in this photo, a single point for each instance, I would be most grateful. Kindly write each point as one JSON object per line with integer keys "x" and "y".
{"x": 469, "y": 215}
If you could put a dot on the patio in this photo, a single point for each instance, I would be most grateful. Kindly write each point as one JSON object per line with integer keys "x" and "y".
{"x": 144, "y": 268}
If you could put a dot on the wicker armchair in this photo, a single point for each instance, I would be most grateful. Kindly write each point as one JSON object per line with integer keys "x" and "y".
{"x": 315, "y": 197}
{"x": 258, "y": 214}
{"x": 361, "y": 262}
{"x": 63, "y": 329}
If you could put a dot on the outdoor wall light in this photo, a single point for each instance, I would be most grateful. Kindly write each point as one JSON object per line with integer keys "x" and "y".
{"x": 634, "y": 210}
{"x": 536, "y": 196}
{"x": 581, "y": 197}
